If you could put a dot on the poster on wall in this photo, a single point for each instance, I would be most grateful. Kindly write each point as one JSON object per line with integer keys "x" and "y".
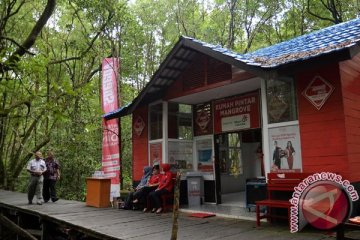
{"x": 155, "y": 153}
{"x": 285, "y": 149}
{"x": 181, "y": 154}
{"x": 204, "y": 154}
{"x": 237, "y": 113}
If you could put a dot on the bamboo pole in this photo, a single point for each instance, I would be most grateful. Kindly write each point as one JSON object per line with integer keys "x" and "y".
{"x": 176, "y": 207}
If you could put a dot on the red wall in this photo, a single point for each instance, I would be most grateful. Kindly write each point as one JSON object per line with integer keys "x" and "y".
{"x": 350, "y": 80}
{"x": 322, "y": 132}
{"x": 140, "y": 144}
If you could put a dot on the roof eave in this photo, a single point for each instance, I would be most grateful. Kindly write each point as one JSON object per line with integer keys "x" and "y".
{"x": 314, "y": 62}
{"x": 283, "y": 69}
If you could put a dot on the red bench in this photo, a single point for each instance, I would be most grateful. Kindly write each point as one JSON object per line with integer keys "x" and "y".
{"x": 278, "y": 182}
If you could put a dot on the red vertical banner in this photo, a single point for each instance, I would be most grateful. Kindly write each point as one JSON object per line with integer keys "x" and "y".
{"x": 110, "y": 145}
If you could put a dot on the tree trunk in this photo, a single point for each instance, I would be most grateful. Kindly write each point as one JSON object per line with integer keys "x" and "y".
{"x": 176, "y": 207}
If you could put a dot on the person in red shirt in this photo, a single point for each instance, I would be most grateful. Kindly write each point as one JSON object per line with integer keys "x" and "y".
{"x": 152, "y": 184}
{"x": 165, "y": 186}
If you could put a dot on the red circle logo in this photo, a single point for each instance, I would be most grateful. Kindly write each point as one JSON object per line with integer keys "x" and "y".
{"x": 325, "y": 205}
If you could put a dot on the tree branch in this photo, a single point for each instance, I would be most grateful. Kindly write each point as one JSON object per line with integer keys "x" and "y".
{"x": 335, "y": 20}
{"x": 9, "y": 14}
{"x": 30, "y": 40}
{"x": 17, "y": 44}
{"x": 5, "y": 112}
{"x": 101, "y": 29}
{"x": 27, "y": 157}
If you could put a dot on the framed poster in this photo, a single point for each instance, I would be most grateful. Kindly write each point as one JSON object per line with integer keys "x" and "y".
{"x": 155, "y": 153}
{"x": 285, "y": 149}
{"x": 204, "y": 153}
{"x": 181, "y": 154}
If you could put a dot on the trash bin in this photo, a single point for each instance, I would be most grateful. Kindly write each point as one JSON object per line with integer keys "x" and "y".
{"x": 255, "y": 191}
{"x": 195, "y": 188}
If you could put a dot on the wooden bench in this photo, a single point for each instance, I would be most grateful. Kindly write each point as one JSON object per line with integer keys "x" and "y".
{"x": 278, "y": 184}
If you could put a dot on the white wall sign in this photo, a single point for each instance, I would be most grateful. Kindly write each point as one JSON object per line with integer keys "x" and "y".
{"x": 236, "y": 122}
{"x": 318, "y": 91}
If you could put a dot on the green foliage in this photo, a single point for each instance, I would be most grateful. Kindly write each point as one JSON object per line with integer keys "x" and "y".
{"x": 50, "y": 95}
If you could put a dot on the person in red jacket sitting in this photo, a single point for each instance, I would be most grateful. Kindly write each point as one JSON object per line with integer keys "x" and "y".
{"x": 165, "y": 186}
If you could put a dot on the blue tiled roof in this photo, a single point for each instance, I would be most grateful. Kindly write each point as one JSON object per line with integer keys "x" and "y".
{"x": 327, "y": 40}
{"x": 314, "y": 44}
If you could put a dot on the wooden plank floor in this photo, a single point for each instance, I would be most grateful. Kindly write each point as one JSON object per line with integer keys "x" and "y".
{"x": 111, "y": 223}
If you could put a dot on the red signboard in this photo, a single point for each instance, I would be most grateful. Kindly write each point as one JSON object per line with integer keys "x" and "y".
{"x": 110, "y": 147}
{"x": 318, "y": 91}
{"x": 203, "y": 119}
{"x": 237, "y": 113}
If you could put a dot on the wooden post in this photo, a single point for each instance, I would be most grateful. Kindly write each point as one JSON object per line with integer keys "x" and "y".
{"x": 176, "y": 207}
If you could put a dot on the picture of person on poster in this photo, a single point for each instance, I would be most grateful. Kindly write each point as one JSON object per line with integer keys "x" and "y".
{"x": 277, "y": 154}
{"x": 285, "y": 149}
{"x": 290, "y": 152}
{"x": 155, "y": 160}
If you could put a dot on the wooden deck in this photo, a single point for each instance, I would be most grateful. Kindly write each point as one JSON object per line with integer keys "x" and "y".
{"x": 108, "y": 223}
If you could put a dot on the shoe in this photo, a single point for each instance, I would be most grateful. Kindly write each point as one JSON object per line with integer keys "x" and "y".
{"x": 153, "y": 210}
{"x": 159, "y": 211}
{"x": 54, "y": 199}
{"x": 30, "y": 202}
{"x": 39, "y": 203}
{"x": 145, "y": 210}
{"x": 135, "y": 201}
{"x": 45, "y": 201}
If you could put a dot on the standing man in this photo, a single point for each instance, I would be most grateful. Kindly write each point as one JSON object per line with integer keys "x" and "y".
{"x": 51, "y": 175}
{"x": 36, "y": 167}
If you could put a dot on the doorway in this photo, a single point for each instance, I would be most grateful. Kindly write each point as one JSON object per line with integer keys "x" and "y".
{"x": 236, "y": 160}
